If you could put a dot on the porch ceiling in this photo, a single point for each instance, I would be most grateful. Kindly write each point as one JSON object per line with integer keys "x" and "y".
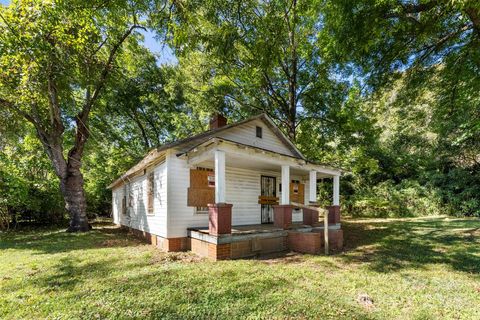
{"x": 249, "y": 157}
{"x": 243, "y": 162}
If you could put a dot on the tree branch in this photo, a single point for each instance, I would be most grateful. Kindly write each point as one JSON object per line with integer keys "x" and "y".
{"x": 55, "y": 118}
{"x": 439, "y": 43}
{"x": 419, "y": 7}
{"x": 81, "y": 119}
{"x": 314, "y": 118}
{"x": 10, "y": 105}
{"x": 474, "y": 16}
{"x": 104, "y": 74}
{"x": 275, "y": 95}
{"x": 411, "y": 8}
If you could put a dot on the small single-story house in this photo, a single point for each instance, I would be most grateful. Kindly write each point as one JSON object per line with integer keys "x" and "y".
{"x": 228, "y": 193}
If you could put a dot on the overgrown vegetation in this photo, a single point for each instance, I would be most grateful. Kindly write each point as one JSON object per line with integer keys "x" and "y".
{"x": 391, "y": 269}
{"x": 386, "y": 90}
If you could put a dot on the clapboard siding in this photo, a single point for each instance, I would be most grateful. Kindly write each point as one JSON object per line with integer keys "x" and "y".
{"x": 242, "y": 190}
{"x": 180, "y": 216}
{"x": 137, "y": 217}
{"x": 246, "y": 134}
{"x": 117, "y": 195}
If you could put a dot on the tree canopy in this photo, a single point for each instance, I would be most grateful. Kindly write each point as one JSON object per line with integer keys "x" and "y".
{"x": 387, "y": 90}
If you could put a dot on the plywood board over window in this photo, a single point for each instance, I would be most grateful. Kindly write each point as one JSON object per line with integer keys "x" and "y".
{"x": 150, "y": 191}
{"x": 297, "y": 192}
{"x": 202, "y": 188}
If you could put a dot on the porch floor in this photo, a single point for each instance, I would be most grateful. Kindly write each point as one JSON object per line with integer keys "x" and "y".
{"x": 254, "y": 228}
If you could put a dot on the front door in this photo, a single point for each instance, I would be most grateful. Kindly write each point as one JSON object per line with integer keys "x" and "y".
{"x": 268, "y": 187}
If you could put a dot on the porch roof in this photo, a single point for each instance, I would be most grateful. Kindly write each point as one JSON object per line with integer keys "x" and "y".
{"x": 186, "y": 144}
{"x": 250, "y": 156}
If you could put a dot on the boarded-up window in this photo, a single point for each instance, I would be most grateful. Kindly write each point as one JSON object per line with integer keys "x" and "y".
{"x": 150, "y": 191}
{"x": 297, "y": 192}
{"x": 130, "y": 197}
{"x": 124, "y": 200}
{"x": 295, "y": 188}
{"x": 124, "y": 205}
{"x": 202, "y": 188}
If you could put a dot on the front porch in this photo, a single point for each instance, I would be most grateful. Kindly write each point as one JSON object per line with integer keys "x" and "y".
{"x": 256, "y": 240}
{"x": 298, "y": 224}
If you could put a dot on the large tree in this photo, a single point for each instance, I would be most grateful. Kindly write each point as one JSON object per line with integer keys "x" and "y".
{"x": 56, "y": 58}
{"x": 419, "y": 62}
{"x": 258, "y": 56}
{"x": 432, "y": 46}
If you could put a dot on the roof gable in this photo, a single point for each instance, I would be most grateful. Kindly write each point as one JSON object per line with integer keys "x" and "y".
{"x": 243, "y": 132}
{"x": 246, "y": 134}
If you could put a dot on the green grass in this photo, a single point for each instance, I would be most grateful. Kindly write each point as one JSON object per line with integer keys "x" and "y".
{"x": 410, "y": 268}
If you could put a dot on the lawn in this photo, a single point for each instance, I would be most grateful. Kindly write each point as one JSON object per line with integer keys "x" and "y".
{"x": 399, "y": 268}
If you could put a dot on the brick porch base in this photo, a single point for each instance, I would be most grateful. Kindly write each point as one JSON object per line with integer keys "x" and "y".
{"x": 165, "y": 244}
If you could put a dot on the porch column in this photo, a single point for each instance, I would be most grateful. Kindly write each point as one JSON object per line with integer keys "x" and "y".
{"x": 310, "y": 217}
{"x": 282, "y": 214}
{"x": 313, "y": 186}
{"x": 285, "y": 185}
{"x": 336, "y": 190}
{"x": 219, "y": 176}
{"x": 220, "y": 213}
{"x": 334, "y": 210}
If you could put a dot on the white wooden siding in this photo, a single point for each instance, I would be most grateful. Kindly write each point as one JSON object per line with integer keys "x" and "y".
{"x": 137, "y": 217}
{"x": 117, "y": 195}
{"x": 242, "y": 190}
{"x": 246, "y": 134}
{"x": 180, "y": 216}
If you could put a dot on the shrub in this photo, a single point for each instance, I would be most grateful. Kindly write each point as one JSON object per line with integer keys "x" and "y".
{"x": 387, "y": 199}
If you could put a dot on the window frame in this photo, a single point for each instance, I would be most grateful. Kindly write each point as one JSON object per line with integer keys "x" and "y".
{"x": 204, "y": 210}
{"x": 201, "y": 210}
{"x": 259, "y": 132}
{"x": 151, "y": 193}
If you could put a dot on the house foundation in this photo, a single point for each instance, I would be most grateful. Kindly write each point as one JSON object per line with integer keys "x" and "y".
{"x": 250, "y": 241}
{"x": 257, "y": 240}
{"x": 164, "y": 244}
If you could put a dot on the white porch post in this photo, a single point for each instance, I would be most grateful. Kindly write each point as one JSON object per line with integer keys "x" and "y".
{"x": 219, "y": 176}
{"x": 313, "y": 186}
{"x": 285, "y": 185}
{"x": 336, "y": 190}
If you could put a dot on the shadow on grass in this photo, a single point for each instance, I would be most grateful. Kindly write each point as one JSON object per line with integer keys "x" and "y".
{"x": 226, "y": 290}
{"x": 54, "y": 240}
{"x": 391, "y": 245}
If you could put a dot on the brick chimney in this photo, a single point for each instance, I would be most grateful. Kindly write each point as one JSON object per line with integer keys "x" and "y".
{"x": 217, "y": 121}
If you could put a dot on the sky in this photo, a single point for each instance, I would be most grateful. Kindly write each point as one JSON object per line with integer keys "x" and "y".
{"x": 163, "y": 52}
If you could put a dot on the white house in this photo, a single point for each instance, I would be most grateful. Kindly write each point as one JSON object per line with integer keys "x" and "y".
{"x": 227, "y": 193}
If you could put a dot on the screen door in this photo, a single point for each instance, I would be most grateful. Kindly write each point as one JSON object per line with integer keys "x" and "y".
{"x": 268, "y": 186}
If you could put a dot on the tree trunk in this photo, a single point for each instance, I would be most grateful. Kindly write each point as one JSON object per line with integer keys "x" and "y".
{"x": 474, "y": 16}
{"x": 71, "y": 183}
{"x": 292, "y": 81}
{"x": 75, "y": 201}
{"x": 50, "y": 128}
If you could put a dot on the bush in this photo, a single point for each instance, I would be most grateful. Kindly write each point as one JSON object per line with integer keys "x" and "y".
{"x": 23, "y": 200}
{"x": 459, "y": 189}
{"x": 387, "y": 199}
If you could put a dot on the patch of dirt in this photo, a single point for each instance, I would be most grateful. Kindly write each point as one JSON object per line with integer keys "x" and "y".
{"x": 440, "y": 250}
{"x": 31, "y": 273}
{"x": 290, "y": 257}
{"x": 365, "y": 301}
{"x": 115, "y": 243}
{"x": 475, "y": 233}
{"x": 163, "y": 257}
